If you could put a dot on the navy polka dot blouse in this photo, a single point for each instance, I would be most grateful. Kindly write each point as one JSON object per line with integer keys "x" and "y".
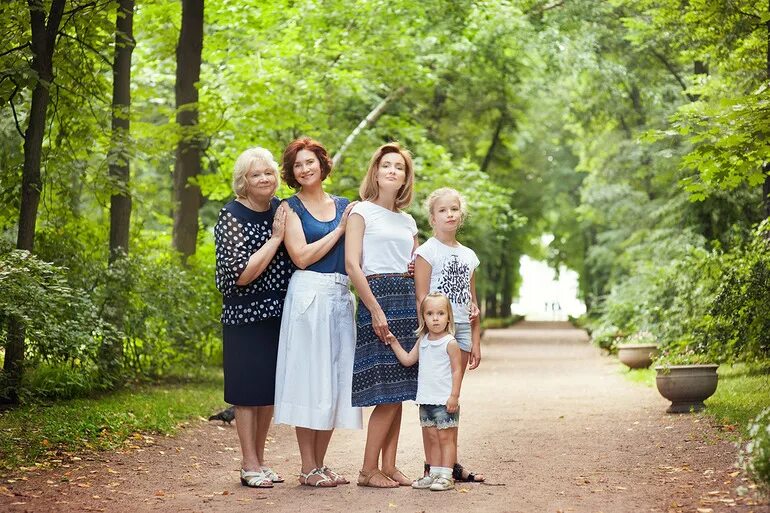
{"x": 239, "y": 233}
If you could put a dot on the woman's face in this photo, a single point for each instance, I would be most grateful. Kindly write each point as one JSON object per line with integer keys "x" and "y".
{"x": 261, "y": 180}
{"x": 307, "y": 168}
{"x": 391, "y": 172}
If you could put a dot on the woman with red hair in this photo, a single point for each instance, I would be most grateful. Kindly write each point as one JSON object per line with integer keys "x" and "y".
{"x": 317, "y": 341}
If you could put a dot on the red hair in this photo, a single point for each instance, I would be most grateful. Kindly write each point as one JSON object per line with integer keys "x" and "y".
{"x": 290, "y": 156}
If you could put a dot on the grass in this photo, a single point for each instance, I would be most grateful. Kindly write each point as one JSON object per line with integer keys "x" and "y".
{"x": 40, "y": 434}
{"x": 742, "y": 393}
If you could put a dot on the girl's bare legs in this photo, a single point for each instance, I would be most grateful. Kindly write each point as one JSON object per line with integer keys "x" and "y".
{"x": 432, "y": 446}
{"x": 264, "y": 416}
{"x": 246, "y": 427}
{"x": 446, "y": 439}
{"x": 465, "y": 358}
{"x": 380, "y": 423}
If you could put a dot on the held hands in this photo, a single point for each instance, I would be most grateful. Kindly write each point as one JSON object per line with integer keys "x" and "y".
{"x": 380, "y": 326}
{"x": 452, "y": 404}
{"x": 410, "y": 268}
{"x": 279, "y": 222}
{"x": 345, "y": 214}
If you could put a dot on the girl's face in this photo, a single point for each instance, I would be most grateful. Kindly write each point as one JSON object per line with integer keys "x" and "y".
{"x": 391, "y": 171}
{"x": 307, "y": 168}
{"x": 261, "y": 181}
{"x": 435, "y": 315}
{"x": 447, "y": 214}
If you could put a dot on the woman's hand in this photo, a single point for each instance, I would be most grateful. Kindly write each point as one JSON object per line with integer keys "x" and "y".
{"x": 279, "y": 222}
{"x": 380, "y": 326}
{"x": 344, "y": 221}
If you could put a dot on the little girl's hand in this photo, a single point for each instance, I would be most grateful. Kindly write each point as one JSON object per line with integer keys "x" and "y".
{"x": 452, "y": 404}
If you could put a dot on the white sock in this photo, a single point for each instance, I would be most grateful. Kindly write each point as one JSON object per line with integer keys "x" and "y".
{"x": 442, "y": 471}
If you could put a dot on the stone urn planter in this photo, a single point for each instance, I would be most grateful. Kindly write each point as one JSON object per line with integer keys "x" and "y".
{"x": 637, "y": 356}
{"x": 686, "y": 386}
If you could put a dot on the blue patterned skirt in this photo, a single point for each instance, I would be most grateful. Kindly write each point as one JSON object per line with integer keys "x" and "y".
{"x": 378, "y": 376}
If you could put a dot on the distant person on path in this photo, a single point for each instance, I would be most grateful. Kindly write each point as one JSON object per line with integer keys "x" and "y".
{"x": 438, "y": 388}
{"x": 443, "y": 264}
{"x": 379, "y": 243}
{"x": 317, "y": 342}
{"x": 252, "y": 273}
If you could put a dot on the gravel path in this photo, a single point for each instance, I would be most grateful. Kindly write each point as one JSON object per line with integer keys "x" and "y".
{"x": 552, "y": 423}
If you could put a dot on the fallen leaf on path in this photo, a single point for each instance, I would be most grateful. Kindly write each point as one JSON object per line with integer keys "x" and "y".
{"x": 5, "y": 491}
{"x": 160, "y": 493}
{"x": 621, "y": 488}
{"x": 392, "y": 505}
{"x": 734, "y": 474}
{"x": 463, "y": 490}
{"x": 18, "y": 503}
{"x": 705, "y": 510}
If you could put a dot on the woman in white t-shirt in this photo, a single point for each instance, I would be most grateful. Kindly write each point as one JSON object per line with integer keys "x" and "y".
{"x": 379, "y": 241}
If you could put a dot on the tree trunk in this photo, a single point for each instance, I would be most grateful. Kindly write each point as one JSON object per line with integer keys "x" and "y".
{"x": 43, "y": 41}
{"x": 188, "y": 153}
{"x": 111, "y": 350}
{"x": 120, "y": 201}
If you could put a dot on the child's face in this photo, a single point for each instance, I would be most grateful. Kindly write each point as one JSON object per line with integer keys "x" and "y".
{"x": 435, "y": 314}
{"x": 447, "y": 214}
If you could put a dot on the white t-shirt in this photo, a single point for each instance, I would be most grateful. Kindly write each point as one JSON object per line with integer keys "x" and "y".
{"x": 451, "y": 271}
{"x": 388, "y": 239}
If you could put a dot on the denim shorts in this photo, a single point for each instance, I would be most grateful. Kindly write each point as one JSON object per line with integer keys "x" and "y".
{"x": 435, "y": 415}
{"x": 463, "y": 336}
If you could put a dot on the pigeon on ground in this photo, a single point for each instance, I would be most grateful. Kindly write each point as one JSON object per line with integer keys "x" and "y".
{"x": 225, "y": 415}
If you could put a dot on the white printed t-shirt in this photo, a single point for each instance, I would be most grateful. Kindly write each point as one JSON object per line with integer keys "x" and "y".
{"x": 451, "y": 271}
{"x": 388, "y": 239}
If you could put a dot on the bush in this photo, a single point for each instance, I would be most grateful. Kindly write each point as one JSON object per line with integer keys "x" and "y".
{"x": 755, "y": 456}
{"x": 737, "y": 327}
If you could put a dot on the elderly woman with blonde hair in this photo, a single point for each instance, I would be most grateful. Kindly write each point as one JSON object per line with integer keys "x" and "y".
{"x": 252, "y": 273}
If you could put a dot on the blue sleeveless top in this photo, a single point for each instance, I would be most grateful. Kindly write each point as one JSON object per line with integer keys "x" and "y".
{"x": 334, "y": 260}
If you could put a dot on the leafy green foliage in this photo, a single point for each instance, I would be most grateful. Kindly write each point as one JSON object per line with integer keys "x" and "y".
{"x": 755, "y": 456}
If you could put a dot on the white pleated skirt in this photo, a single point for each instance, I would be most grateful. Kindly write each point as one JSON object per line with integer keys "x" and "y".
{"x": 314, "y": 371}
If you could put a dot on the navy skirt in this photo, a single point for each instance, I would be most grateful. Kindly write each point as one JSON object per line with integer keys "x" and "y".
{"x": 378, "y": 376}
{"x": 249, "y": 354}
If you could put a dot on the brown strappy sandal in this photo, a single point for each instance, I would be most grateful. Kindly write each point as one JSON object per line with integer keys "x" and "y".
{"x": 365, "y": 479}
{"x": 399, "y": 477}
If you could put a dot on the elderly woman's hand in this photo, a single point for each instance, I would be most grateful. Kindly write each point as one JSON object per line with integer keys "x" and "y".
{"x": 279, "y": 222}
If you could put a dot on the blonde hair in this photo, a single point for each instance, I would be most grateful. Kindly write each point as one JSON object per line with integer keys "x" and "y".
{"x": 245, "y": 162}
{"x": 434, "y": 196}
{"x": 369, "y": 189}
{"x": 450, "y": 327}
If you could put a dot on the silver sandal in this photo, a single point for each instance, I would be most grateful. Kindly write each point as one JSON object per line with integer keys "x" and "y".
{"x": 271, "y": 475}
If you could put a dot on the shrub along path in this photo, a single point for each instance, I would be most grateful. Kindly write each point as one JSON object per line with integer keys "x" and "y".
{"x": 552, "y": 424}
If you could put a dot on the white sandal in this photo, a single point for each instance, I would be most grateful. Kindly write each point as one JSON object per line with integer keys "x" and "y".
{"x": 337, "y": 478}
{"x": 255, "y": 479}
{"x": 271, "y": 475}
{"x": 318, "y": 484}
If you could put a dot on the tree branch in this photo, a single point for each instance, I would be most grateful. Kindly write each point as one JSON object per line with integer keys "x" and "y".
{"x": 86, "y": 45}
{"x": 13, "y": 107}
{"x": 365, "y": 123}
{"x": 20, "y": 47}
{"x": 674, "y": 72}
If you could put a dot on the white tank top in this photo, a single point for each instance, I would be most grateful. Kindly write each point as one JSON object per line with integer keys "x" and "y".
{"x": 434, "y": 379}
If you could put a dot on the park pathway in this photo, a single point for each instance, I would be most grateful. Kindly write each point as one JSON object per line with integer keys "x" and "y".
{"x": 552, "y": 423}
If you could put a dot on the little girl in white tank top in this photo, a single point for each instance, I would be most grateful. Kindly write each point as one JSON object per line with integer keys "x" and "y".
{"x": 438, "y": 388}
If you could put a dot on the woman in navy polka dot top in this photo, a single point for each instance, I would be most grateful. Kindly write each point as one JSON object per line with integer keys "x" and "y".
{"x": 252, "y": 273}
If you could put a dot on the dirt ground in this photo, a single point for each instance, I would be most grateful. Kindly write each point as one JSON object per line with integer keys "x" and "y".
{"x": 552, "y": 423}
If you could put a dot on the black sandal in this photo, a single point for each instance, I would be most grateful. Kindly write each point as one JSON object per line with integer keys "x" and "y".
{"x": 457, "y": 473}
